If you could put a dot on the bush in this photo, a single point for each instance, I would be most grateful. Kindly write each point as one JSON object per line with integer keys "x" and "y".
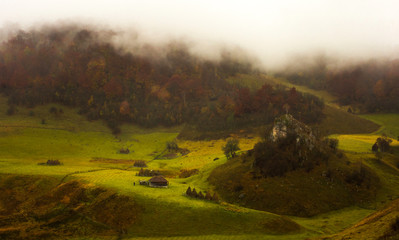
{"x": 114, "y": 126}
{"x": 148, "y": 173}
{"x": 172, "y": 146}
{"x": 215, "y": 198}
{"x": 382, "y": 144}
{"x": 140, "y": 163}
{"x": 230, "y": 148}
{"x": 273, "y": 161}
{"x": 185, "y": 173}
{"x": 124, "y": 151}
{"x": 358, "y": 177}
{"x": 11, "y": 110}
{"x": 208, "y": 196}
{"x": 238, "y": 188}
{"x": 53, "y": 110}
{"x": 52, "y": 162}
{"x": 277, "y": 158}
{"x": 395, "y": 225}
{"x": 333, "y": 143}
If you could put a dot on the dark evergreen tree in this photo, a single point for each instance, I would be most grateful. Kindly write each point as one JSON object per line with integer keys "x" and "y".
{"x": 374, "y": 148}
{"x": 215, "y": 197}
{"x": 208, "y": 196}
{"x": 188, "y": 192}
{"x": 200, "y": 195}
{"x": 194, "y": 193}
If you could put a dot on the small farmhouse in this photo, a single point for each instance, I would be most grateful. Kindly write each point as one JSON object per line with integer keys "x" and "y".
{"x": 158, "y": 181}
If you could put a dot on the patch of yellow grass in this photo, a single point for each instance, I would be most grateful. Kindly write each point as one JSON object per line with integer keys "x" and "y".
{"x": 360, "y": 143}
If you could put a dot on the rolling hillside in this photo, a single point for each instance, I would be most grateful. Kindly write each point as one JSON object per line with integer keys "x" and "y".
{"x": 90, "y": 157}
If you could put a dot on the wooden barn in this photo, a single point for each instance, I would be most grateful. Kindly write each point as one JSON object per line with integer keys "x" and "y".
{"x": 158, "y": 181}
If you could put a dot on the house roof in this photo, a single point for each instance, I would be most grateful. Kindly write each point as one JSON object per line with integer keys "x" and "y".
{"x": 158, "y": 179}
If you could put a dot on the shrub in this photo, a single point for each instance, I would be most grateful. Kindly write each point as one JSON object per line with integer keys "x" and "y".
{"x": 382, "y": 143}
{"x": 114, "y": 126}
{"x": 215, "y": 197}
{"x": 278, "y": 158}
{"x": 148, "y": 173}
{"x": 11, "y": 110}
{"x": 395, "y": 225}
{"x": 208, "y": 196}
{"x": 140, "y": 163}
{"x": 358, "y": 177}
{"x": 238, "y": 188}
{"x": 172, "y": 146}
{"x": 92, "y": 114}
{"x": 185, "y": 173}
{"x": 53, "y": 110}
{"x": 124, "y": 151}
{"x": 333, "y": 143}
{"x": 230, "y": 148}
{"x": 52, "y": 162}
{"x": 272, "y": 160}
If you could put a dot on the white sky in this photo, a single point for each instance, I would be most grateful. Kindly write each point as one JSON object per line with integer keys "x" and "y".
{"x": 272, "y": 30}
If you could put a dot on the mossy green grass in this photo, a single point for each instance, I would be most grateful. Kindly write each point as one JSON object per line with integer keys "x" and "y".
{"x": 26, "y": 141}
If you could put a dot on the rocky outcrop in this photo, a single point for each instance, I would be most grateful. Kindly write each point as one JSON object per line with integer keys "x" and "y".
{"x": 286, "y": 126}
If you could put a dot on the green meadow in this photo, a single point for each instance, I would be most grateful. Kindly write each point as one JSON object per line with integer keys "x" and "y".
{"x": 389, "y": 123}
{"x": 90, "y": 153}
{"x": 362, "y": 143}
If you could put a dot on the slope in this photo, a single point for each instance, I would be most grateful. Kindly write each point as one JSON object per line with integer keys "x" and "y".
{"x": 383, "y": 224}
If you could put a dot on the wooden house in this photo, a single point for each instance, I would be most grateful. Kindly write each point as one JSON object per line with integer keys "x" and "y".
{"x": 158, "y": 181}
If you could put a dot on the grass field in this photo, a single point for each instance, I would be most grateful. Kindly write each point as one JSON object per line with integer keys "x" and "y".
{"x": 362, "y": 143}
{"x": 389, "y": 123}
{"x": 25, "y": 141}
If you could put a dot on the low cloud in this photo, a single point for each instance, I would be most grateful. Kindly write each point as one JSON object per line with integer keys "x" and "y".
{"x": 273, "y": 32}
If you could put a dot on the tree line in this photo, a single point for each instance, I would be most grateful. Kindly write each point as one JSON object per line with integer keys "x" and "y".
{"x": 81, "y": 68}
{"x": 371, "y": 86}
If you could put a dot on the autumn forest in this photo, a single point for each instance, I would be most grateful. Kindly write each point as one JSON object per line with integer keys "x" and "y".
{"x": 164, "y": 85}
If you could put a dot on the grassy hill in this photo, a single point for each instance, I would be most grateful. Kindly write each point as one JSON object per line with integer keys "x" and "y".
{"x": 379, "y": 225}
{"x": 89, "y": 154}
{"x": 56, "y": 211}
{"x": 298, "y": 193}
{"x": 337, "y": 121}
{"x": 389, "y": 123}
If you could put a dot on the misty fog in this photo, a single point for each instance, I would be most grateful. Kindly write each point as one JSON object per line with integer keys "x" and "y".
{"x": 273, "y": 32}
